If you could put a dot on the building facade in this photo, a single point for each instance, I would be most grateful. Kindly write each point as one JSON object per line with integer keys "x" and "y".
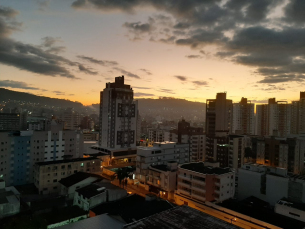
{"x": 204, "y": 183}
{"x": 243, "y": 117}
{"x": 160, "y": 154}
{"x": 48, "y": 174}
{"x": 118, "y": 116}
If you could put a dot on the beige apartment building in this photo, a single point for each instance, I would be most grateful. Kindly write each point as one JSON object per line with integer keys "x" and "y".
{"x": 199, "y": 183}
{"x": 48, "y": 174}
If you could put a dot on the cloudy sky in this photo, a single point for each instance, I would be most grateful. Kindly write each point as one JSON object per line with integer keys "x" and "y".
{"x": 188, "y": 49}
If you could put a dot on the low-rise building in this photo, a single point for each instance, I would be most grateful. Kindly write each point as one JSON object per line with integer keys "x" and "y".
{"x": 291, "y": 209}
{"x": 48, "y": 174}
{"x": 9, "y": 200}
{"x": 270, "y": 184}
{"x": 162, "y": 179}
{"x": 97, "y": 193}
{"x": 159, "y": 154}
{"x": 78, "y": 180}
{"x": 202, "y": 183}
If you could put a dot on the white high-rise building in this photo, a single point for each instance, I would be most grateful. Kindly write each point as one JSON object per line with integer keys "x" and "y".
{"x": 118, "y": 116}
{"x": 243, "y": 117}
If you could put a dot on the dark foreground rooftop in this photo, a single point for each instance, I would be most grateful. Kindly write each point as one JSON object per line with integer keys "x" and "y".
{"x": 132, "y": 208}
{"x": 181, "y": 217}
{"x": 200, "y": 168}
{"x": 76, "y": 178}
{"x": 260, "y": 210}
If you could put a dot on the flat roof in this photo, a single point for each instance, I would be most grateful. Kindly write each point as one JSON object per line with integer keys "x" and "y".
{"x": 200, "y": 168}
{"x": 76, "y": 178}
{"x": 96, "y": 189}
{"x": 258, "y": 209}
{"x": 133, "y": 207}
{"x": 181, "y": 217}
{"x": 66, "y": 161}
{"x": 102, "y": 221}
{"x": 287, "y": 202}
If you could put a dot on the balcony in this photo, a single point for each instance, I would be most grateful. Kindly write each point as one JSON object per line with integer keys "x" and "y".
{"x": 217, "y": 191}
{"x": 185, "y": 178}
{"x": 198, "y": 189}
{"x": 199, "y": 181}
{"x": 187, "y": 193}
{"x": 185, "y": 185}
{"x": 194, "y": 196}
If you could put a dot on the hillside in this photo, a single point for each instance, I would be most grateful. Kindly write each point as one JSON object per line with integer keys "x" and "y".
{"x": 9, "y": 95}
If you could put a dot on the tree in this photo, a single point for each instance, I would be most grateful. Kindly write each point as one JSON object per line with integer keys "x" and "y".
{"x": 122, "y": 174}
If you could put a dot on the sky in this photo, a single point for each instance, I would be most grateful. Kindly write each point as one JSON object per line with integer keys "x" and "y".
{"x": 188, "y": 49}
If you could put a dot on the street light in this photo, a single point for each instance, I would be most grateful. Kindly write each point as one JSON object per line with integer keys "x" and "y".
{"x": 234, "y": 218}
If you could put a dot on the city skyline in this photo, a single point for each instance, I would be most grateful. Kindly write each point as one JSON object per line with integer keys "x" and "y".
{"x": 71, "y": 49}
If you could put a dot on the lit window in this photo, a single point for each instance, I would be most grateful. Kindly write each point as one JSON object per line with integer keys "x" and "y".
{"x": 82, "y": 164}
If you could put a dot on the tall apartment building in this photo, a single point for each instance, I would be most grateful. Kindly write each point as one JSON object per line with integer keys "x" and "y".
{"x": 200, "y": 183}
{"x": 156, "y": 135}
{"x": 298, "y": 115}
{"x": 190, "y": 135}
{"x": 270, "y": 184}
{"x": 288, "y": 153}
{"x": 237, "y": 145}
{"x": 19, "y": 151}
{"x": 71, "y": 118}
{"x": 219, "y": 114}
{"x": 243, "y": 117}
{"x": 279, "y": 117}
{"x": 274, "y": 118}
{"x": 118, "y": 116}
{"x": 160, "y": 154}
{"x": 48, "y": 174}
{"x": 13, "y": 121}
{"x": 261, "y": 120}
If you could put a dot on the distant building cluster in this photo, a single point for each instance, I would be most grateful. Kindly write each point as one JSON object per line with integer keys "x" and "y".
{"x": 239, "y": 169}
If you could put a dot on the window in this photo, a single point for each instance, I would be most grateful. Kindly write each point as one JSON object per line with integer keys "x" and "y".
{"x": 82, "y": 164}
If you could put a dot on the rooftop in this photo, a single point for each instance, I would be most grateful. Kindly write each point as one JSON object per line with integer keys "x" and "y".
{"x": 161, "y": 167}
{"x": 132, "y": 208}
{"x": 76, "y": 178}
{"x": 96, "y": 189}
{"x": 101, "y": 221}
{"x": 200, "y": 168}
{"x": 65, "y": 161}
{"x": 260, "y": 210}
{"x": 287, "y": 202}
{"x": 181, "y": 217}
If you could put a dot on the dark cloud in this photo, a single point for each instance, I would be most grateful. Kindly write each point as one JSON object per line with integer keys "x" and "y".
{"x": 17, "y": 84}
{"x": 182, "y": 25}
{"x": 202, "y": 37}
{"x": 28, "y": 57}
{"x": 59, "y": 92}
{"x": 194, "y": 56}
{"x": 146, "y": 71}
{"x": 88, "y": 71}
{"x": 141, "y": 94}
{"x": 200, "y": 83}
{"x": 142, "y": 87}
{"x": 71, "y": 94}
{"x": 294, "y": 11}
{"x": 168, "y": 91}
{"x": 50, "y": 41}
{"x": 127, "y": 73}
{"x": 100, "y": 62}
{"x": 240, "y": 29}
{"x": 169, "y": 40}
{"x": 182, "y": 78}
{"x": 138, "y": 27}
